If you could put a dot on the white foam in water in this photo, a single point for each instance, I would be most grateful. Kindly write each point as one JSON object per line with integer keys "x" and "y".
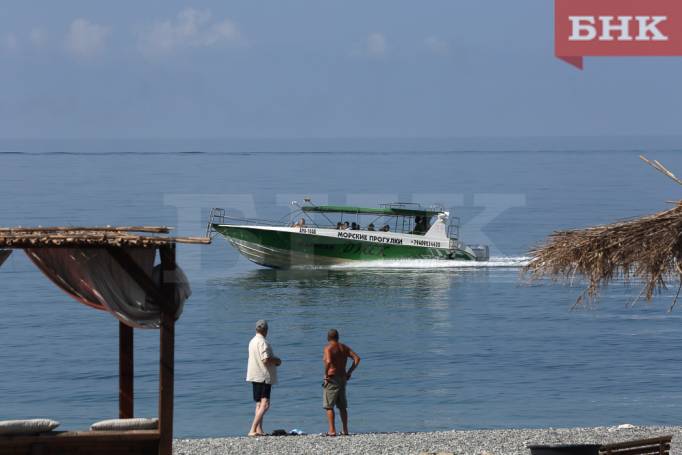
{"x": 519, "y": 261}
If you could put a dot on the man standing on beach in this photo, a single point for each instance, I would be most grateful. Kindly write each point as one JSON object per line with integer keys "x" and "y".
{"x": 262, "y": 374}
{"x": 335, "y": 358}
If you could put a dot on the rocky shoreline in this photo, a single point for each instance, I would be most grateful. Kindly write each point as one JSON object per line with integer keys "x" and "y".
{"x": 464, "y": 442}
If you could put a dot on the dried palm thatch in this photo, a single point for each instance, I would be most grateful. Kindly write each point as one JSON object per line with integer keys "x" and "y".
{"x": 108, "y": 236}
{"x": 648, "y": 249}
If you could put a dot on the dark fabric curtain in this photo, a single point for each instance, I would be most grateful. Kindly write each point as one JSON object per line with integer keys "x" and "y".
{"x": 93, "y": 277}
{"x": 4, "y": 254}
{"x": 63, "y": 267}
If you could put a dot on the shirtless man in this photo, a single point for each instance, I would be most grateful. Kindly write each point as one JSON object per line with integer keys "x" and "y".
{"x": 335, "y": 358}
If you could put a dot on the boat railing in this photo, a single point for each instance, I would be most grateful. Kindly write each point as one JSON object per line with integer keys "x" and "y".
{"x": 215, "y": 216}
{"x": 401, "y": 205}
{"x": 453, "y": 228}
{"x": 219, "y": 216}
{"x": 456, "y": 244}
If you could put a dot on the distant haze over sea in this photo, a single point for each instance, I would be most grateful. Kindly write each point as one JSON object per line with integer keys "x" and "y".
{"x": 644, "y": 143}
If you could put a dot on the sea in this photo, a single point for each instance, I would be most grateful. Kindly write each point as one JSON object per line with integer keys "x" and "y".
{"x": 444, "y": 345}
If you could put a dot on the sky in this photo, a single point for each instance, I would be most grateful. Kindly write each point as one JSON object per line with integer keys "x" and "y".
{"x": 314, "y": 68}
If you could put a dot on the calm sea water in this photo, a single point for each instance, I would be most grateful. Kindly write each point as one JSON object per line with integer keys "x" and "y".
{"x": 442, "y": 347}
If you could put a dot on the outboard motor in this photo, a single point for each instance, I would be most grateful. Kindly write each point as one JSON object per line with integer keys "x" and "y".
{"x": 482, "y": 252}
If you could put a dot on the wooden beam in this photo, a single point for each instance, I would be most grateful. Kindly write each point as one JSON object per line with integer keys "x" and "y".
{"x": 138, "y": 442}
{"x": 167, "y": 348}
{"x": 126, "y": 372}
{"x": 91, "y": 240}
{"x": 149, "y": 229}
{"x": 166, "y": 379}
{"x": 191, "y": 240}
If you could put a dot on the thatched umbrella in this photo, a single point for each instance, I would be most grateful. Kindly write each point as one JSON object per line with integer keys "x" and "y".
{"x": 647, "y": 249}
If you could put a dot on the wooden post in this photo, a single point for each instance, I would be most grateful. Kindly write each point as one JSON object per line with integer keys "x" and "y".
{"x": 126, "y": 372}
{"x": 167, "y": 348}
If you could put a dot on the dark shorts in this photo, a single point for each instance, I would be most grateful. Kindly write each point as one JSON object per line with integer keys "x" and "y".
{"x": 261, "y": 390}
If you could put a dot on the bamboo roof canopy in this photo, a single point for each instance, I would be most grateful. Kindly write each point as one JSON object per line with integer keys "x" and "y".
{"x": 124, "y": 236}
{"x": 646, "y": 249}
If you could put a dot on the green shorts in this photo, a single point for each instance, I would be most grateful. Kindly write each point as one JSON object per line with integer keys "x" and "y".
{"x": 334, "y": 394}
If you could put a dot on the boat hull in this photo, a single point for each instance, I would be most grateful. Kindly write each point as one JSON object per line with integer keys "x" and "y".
{"x": 285, "y": 249}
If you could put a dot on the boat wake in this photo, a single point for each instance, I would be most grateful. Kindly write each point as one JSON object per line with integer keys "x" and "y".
{"x": 509, "y": 262}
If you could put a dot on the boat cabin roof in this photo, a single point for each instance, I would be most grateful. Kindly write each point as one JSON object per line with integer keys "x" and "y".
{"x": 384, "y": 211}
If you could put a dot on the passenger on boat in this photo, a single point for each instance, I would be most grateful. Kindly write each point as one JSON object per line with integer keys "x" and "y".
{"x": 300, "y": 223}
{"x": 370, "y": 227}
{"x": 339, "y": 226}
{"x": 355, "y": 227}
{"x": 420, "y": 225}
{"x": 346, "y": 226}
{"x": 386, "y": 228}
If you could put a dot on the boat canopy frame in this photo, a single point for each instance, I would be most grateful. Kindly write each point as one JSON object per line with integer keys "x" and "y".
{"x": 398, "y": 210}
{"x": 384, "y": 210}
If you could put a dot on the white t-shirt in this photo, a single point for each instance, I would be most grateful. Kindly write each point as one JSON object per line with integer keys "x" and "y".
{"x": 257, "y": 370}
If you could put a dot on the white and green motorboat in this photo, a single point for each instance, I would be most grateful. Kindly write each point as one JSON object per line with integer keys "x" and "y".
{"x": 329, "y": 234}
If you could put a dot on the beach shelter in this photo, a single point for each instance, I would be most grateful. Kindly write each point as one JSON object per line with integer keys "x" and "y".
{"x": 646, "y": 249}
{"x": 112, "y": 269}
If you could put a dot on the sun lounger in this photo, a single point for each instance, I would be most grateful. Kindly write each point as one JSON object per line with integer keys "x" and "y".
{"x": 80, "y": 442}
{"x": 659, "y": 445}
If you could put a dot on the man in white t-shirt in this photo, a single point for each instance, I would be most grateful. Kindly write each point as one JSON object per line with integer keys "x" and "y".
{"x": 262, "y": 374}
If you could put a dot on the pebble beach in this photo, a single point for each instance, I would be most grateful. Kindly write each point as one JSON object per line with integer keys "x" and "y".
{"x": 469, "y": 442}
